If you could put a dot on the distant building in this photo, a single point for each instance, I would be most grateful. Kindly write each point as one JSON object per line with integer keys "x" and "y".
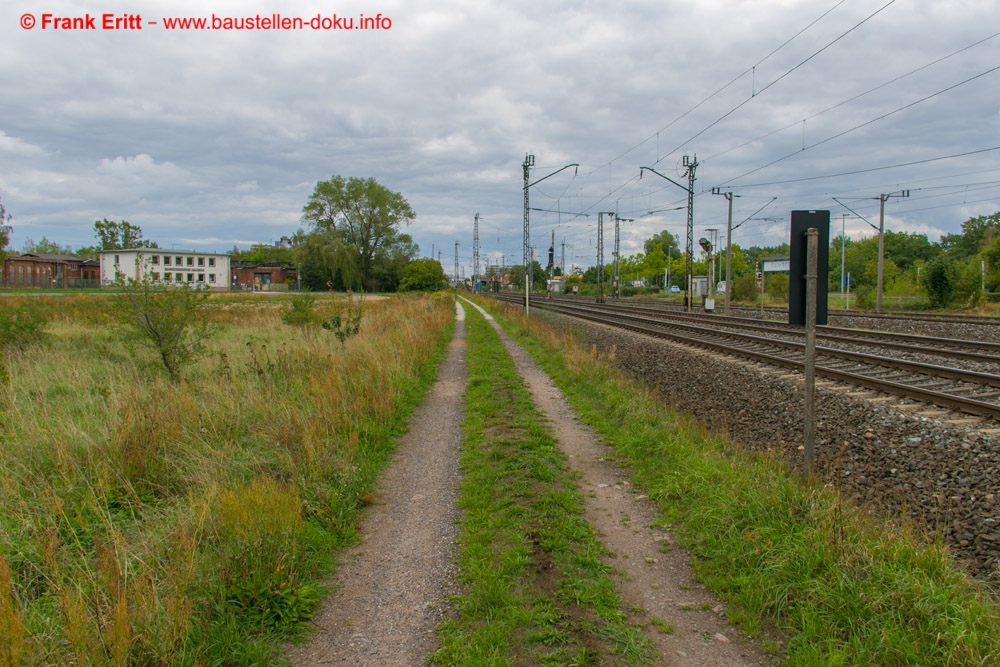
{"x": 263, "y": 277}
{"x": 172, "y": 267}
{"x": 50, "y": 271}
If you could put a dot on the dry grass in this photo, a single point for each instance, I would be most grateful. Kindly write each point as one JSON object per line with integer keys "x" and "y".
{"x": 144, "y": 521}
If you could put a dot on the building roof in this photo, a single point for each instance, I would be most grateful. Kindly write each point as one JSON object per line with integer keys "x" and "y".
{"x": 164, "y": 251}
{"x": 46, "y": 258}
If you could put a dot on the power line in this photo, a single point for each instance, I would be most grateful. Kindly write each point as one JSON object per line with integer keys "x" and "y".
{"x": 856, "y": 97}
{"x": 865, "y": 171}
{"x": 756, "y": 93}
{"x": 865, "y": 124}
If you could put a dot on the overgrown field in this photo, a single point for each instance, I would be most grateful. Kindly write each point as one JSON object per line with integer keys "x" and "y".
{"x": 145, "y": 521}
{"x": 842, "y": 587}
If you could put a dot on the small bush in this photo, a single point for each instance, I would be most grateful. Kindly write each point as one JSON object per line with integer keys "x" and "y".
{"x": 346, "y": 322}
{"x": 164, "y": 317}
{"x": 302, "y": 312}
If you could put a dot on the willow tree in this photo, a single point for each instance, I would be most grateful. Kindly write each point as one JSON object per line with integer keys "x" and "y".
{"x": 365, "y": 217}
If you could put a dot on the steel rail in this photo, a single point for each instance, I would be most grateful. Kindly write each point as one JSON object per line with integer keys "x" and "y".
{"x": 959, "y": 403}
{"x": 917, "y": 344}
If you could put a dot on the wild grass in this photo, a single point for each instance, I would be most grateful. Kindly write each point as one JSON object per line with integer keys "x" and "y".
{"x": 841, "y": 586}
{"x": 535, "y": 588}
{"x": 145, "y": 521}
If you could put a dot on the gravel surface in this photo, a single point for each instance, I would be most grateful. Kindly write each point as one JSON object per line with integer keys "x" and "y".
{"x": 939, "y": 468}
{"x": 392, "y": 588}
{"x": 653, "y": 576}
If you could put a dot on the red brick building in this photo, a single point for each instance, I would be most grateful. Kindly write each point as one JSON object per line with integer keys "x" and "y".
{"x": 263, "y": 277}
{"x": 50, "y": 271}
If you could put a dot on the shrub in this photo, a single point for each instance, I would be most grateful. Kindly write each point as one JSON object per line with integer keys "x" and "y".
{"x": 346, "y": 324}
{"x": 164, "y": 317}
{"x": 301, "y": 313}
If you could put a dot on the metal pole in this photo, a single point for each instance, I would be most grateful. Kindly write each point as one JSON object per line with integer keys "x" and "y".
{"x": 843, "y": 255}
{"x": 617, "y": 279}
{"x": 812, "y": 246}
{"x": 529, "y": 161}
{"x": 475, "y": 257}
{"x": 729, "y": 253}
{"x": 691, "y": 165}
{"x": 881, "y": 251}
{"x": 600, "y": 257}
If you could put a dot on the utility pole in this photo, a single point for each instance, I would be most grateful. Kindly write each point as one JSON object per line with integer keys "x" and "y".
{"x": 729, "y": 246}
{"x": 617, "y": 280}
{"x": 691, "y": 165}
{"x": 881, "y": 242}
{"x": 529, "y": 161}
{"x": 562, "y": 259}
{"x": 615, "y": 277}
{"x": 475, "y": 256}
{"x": 600, "y": 256}
{"x": 881, "y": 239}
{"x": 843, "y": 252}
{"x": 456, "y": 264}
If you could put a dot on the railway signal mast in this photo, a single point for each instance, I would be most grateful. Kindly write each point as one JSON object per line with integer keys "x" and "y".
{"x": 689, "y": 188}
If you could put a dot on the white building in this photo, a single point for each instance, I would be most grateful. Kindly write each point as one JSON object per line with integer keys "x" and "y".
{"x": 207, "y": 269}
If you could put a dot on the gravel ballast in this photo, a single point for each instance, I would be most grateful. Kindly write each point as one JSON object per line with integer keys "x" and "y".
{"x": 938, "y": 468}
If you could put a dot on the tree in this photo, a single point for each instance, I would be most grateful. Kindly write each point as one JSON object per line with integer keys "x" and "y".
{"x": 423, "y": 275}
{"x": 666, "y": 242}
{"x": 163, "y": 317}
{"x": 120, "y": 235}
{"x": 5, "y": 231}
{"x": 365, "y": 215}
{"x": 939, "y": 280}
{"x": 45, "y": 247}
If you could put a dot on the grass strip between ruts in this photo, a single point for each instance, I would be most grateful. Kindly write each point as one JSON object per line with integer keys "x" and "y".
{"x": 535, "y": 588}
{"x": 843, "y": 588}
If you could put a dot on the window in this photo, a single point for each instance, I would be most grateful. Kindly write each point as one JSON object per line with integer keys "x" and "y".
{"x": 190, "y": 278}
{"x": 211, "y": 261}
{"x": 179, "y": 277}
{"x": 156, "y": 260}
{"x": 201, "y": 261}
{"x": 190, "y": 261}
{"x": 178, "y": 260}
{"x": 166, "y": 260}
{"x": 211, "y": 277}
{"x": 156, "y": 276}
{"x": 201, "y": 277}
{"x": 116, "y": 260}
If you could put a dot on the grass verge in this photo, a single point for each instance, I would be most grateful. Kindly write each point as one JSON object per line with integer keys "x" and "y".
{"x": 151, "y": 521}
{"x": 536, "y": 591}
{"x": 843, "y": 588}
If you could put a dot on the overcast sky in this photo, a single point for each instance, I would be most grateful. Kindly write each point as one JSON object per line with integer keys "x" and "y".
{"x": 208, "y": 139}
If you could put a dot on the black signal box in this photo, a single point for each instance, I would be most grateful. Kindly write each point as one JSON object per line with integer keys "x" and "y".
{"x": 801, "y": 221}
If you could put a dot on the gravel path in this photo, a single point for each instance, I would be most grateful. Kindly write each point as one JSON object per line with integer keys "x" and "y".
{"x": 653, "y": 576}
{"x": 392, "y": 588}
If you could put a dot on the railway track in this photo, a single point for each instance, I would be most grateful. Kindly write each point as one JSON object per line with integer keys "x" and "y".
{"x": 975, "y": 392}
